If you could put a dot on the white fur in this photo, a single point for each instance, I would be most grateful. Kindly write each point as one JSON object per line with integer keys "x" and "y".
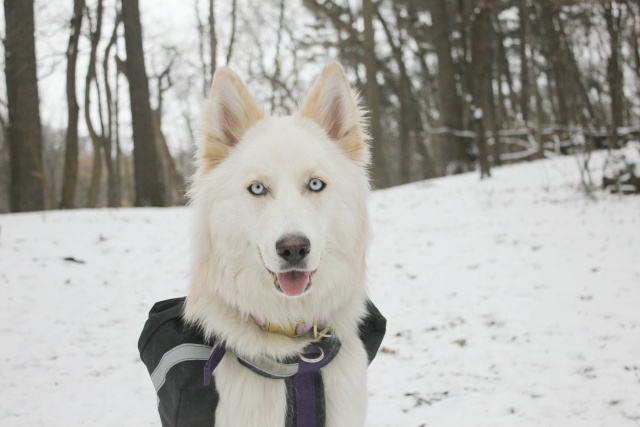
{"x": 235, "y": 232}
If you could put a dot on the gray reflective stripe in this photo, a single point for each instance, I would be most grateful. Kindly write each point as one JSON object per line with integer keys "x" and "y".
{"x": 187, "y": 352}
{"x": 179, "y": 354}
{"x": 271, "y": 367}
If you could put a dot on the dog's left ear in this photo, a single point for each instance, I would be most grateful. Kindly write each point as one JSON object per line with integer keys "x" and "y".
{"x": 333, "y": 105}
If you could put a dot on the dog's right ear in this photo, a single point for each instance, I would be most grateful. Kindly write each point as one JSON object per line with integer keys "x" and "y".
{"x": 228, "y": 113}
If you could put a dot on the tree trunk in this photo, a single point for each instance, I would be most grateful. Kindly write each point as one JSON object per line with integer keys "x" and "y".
{"x": 425, "y": 142}
{"x": 614, "y": 75}
{"x": 174, "y": 184}
{"x": 539, "y": 113}
{"x": 465, "y": 9}
{"x": 505, "y": 70}
{"x": 27, "y": 191}
{"x": 380, "y": 175}
{"x": 489, "y": 100}
{"x": 553, "y": 52}
{"x": 635, "y": 46}
{"x": 450, "y": 104}
{"x": 147, "y": 167}
{"x": 525, "y": 82}
{"x": 96, "y": 172}
{"x": 482, "y": 92}
{"x": 70, "y": 179}
{"x": 112, "y": 173}
{"x": 116, "y": 136}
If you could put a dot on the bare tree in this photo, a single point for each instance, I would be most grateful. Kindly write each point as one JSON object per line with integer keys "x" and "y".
{"x": 147, "y": 166}
{"x": 525, "y": 83}
{"x": 28, "y": 182}
{"x": 379, "y": 169}
{"x": 96, "y": 174}
{"x": 450, "y": 104}
{"x": 482, "y": 92}
{"x": 113, "y": 173}
{"x": 70, "y": 179}
{"x": 172, "y": 181}
{"x": 612, "y": 16}
{"x": 634, "y": 41}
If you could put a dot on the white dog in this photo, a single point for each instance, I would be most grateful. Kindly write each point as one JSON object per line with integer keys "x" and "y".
{"x": 279, "y": 242}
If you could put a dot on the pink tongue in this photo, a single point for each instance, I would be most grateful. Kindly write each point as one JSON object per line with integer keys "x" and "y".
{"x": 293, "y": 283}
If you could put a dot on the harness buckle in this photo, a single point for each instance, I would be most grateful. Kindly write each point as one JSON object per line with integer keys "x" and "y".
{"x": 315, "y": 359}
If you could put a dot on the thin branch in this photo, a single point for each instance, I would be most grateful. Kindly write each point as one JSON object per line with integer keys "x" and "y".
{"x": 232, "y": 38}
{"x": 105, "y": 67}
{"x": 203, "y": 65}
{"x": 213, "y": 42}
{"x": 334, "y": 17}
{"x": 91, "y": 75}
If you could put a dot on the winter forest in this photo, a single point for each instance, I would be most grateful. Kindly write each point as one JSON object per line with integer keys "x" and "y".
{"x": 505, "y": 221}
{"x": 105, "y": 110}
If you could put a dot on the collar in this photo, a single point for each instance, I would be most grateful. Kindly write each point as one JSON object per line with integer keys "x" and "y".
{"x": 293, "y": 329}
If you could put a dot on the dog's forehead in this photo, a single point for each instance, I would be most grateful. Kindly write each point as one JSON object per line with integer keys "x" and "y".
{"x": 286, "y": 144}
{"x": 290, "y": 131}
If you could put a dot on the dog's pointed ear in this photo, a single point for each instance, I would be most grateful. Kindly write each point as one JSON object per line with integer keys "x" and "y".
{"x": 333, "y": 105}
{"x": 228, "y": 113}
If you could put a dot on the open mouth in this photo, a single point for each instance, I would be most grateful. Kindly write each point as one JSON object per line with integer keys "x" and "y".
{"x": 293, "y": 283}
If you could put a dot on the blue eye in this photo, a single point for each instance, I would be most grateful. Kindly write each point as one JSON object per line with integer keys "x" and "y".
{"x": 316, "y": 185}
{"x": 257, "y": 189}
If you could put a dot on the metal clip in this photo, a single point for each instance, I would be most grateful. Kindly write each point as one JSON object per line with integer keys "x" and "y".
{"x": 314, "y": 360}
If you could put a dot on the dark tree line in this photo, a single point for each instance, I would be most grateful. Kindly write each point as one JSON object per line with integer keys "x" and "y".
{"x": 451, "y": 86}
{"x": 495, "y": 81}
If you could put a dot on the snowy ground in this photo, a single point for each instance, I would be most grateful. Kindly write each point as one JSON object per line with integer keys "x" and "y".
{"x": 511, "y": 302}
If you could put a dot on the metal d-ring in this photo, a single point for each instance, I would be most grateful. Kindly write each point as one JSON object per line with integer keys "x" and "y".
{"x": 314, "y": 360}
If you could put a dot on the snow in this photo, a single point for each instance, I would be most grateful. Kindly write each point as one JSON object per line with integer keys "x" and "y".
{"x": 510, "y": 301}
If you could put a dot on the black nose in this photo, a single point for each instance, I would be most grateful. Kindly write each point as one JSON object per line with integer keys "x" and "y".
{"x": 293, "y": 248}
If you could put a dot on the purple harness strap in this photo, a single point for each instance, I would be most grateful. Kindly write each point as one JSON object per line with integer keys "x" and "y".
{"x": 312, "y": 359}
{"x": 305, "y": 386}
{"x": 213, "y": 362}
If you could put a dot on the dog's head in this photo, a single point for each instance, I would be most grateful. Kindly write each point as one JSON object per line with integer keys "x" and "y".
{"x": 281, "y": 202}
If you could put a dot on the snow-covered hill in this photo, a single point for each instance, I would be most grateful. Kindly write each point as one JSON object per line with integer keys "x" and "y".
{"x": 511, "y": 302}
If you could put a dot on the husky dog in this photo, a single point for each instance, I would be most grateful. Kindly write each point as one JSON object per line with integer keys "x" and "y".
{"x": 279, "y": 243}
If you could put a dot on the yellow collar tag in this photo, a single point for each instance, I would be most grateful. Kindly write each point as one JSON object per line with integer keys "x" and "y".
{"x": 287, "y": 330}
{"x": 295, "y": 329}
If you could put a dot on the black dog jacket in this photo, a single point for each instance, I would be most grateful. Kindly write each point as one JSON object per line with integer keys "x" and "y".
{"x": 175, "y": 354}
